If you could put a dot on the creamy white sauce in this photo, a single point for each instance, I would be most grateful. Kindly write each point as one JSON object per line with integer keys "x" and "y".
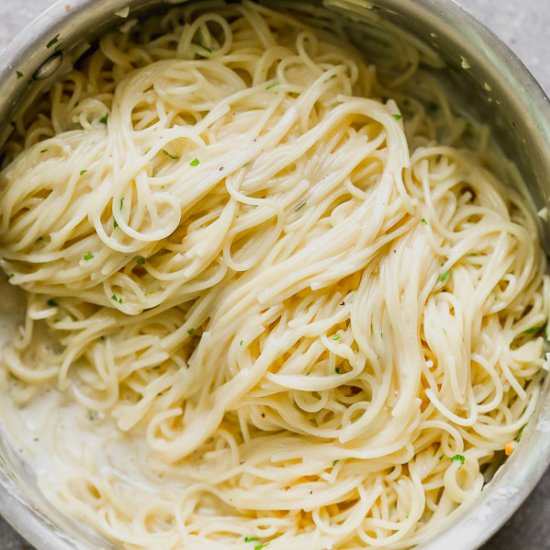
{"x": 54, "y": 437}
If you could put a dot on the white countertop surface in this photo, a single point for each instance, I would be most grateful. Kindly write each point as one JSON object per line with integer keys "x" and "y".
{"x": 524, "y": 25}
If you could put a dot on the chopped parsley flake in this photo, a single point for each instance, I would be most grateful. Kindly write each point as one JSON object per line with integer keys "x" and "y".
{"x": 115, "y": 298}
{"x": 53, "y": 41}
{"x": 39, "y": 240}
{"x": 241, "y": 343}
{"x": 251, "y": 539}
{"x": 458, "y": 458}
{"x": 334, "y": 462}
{"x": 104, "y": 119}
{"x": 82, "y": 172}
{"x": 300, "y": 206}
{"x": 424, "y": 221}
{"x": 92, "y": 416}
{"x": 260, "y": 546}
{"x": 203, "y": 51}
{"x": 273, "y": 85}
{"x": 52, "y": 303}
{"x": 44, "y": 151}
{"x": 19, "y": 74}
{"x": 337, "y": 337}
{"x": 534, "y": 329}
{"x": 444, "y": 277}
{"x": 520, "y": 434}
{"x": 337, "y": 370}
{"x": 397, "y": 117}
{"x": 195, "y": 162}
{"x": 120, "y": 206}
{"x": 191, "y": 331}
{"x": 87, "y": 257}
{"x": 140, "y": 260}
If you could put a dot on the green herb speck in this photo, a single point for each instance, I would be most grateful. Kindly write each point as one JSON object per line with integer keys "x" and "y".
{"x": 191, "y": 331}
{"x": 140, "y": 260}
{"x": 87, "y": 257}
{"x": 520, "y": 434}
{"x": 52, "y": 303}
{"x": 444, "y": 277}
{"x": 82, "y": 172}
{"x": 397, "y": 117}
{"x": 337, "y": 337}
{"x": 534, "y": 329}
{"x": 458, "y": 458}
{"x": 207, "y": 51}
{"x": 300, "y": 206}
{"x": 104, "y": 119}
{"x": 424, "y": 221}
{"x": 195, "y": 162}
{"x": 251, "y": 539}
{"x": 334, "y": 462}
{"x": 19, "y": 74}
{"x": 115, "y": 298}
{"x": 53, "y": 41}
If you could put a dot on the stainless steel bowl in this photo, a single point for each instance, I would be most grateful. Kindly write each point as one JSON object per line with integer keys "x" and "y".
{"x": 496, "y": 89}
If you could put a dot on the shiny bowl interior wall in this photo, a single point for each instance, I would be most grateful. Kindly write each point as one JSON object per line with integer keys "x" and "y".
{"x": 496, "y": 89}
